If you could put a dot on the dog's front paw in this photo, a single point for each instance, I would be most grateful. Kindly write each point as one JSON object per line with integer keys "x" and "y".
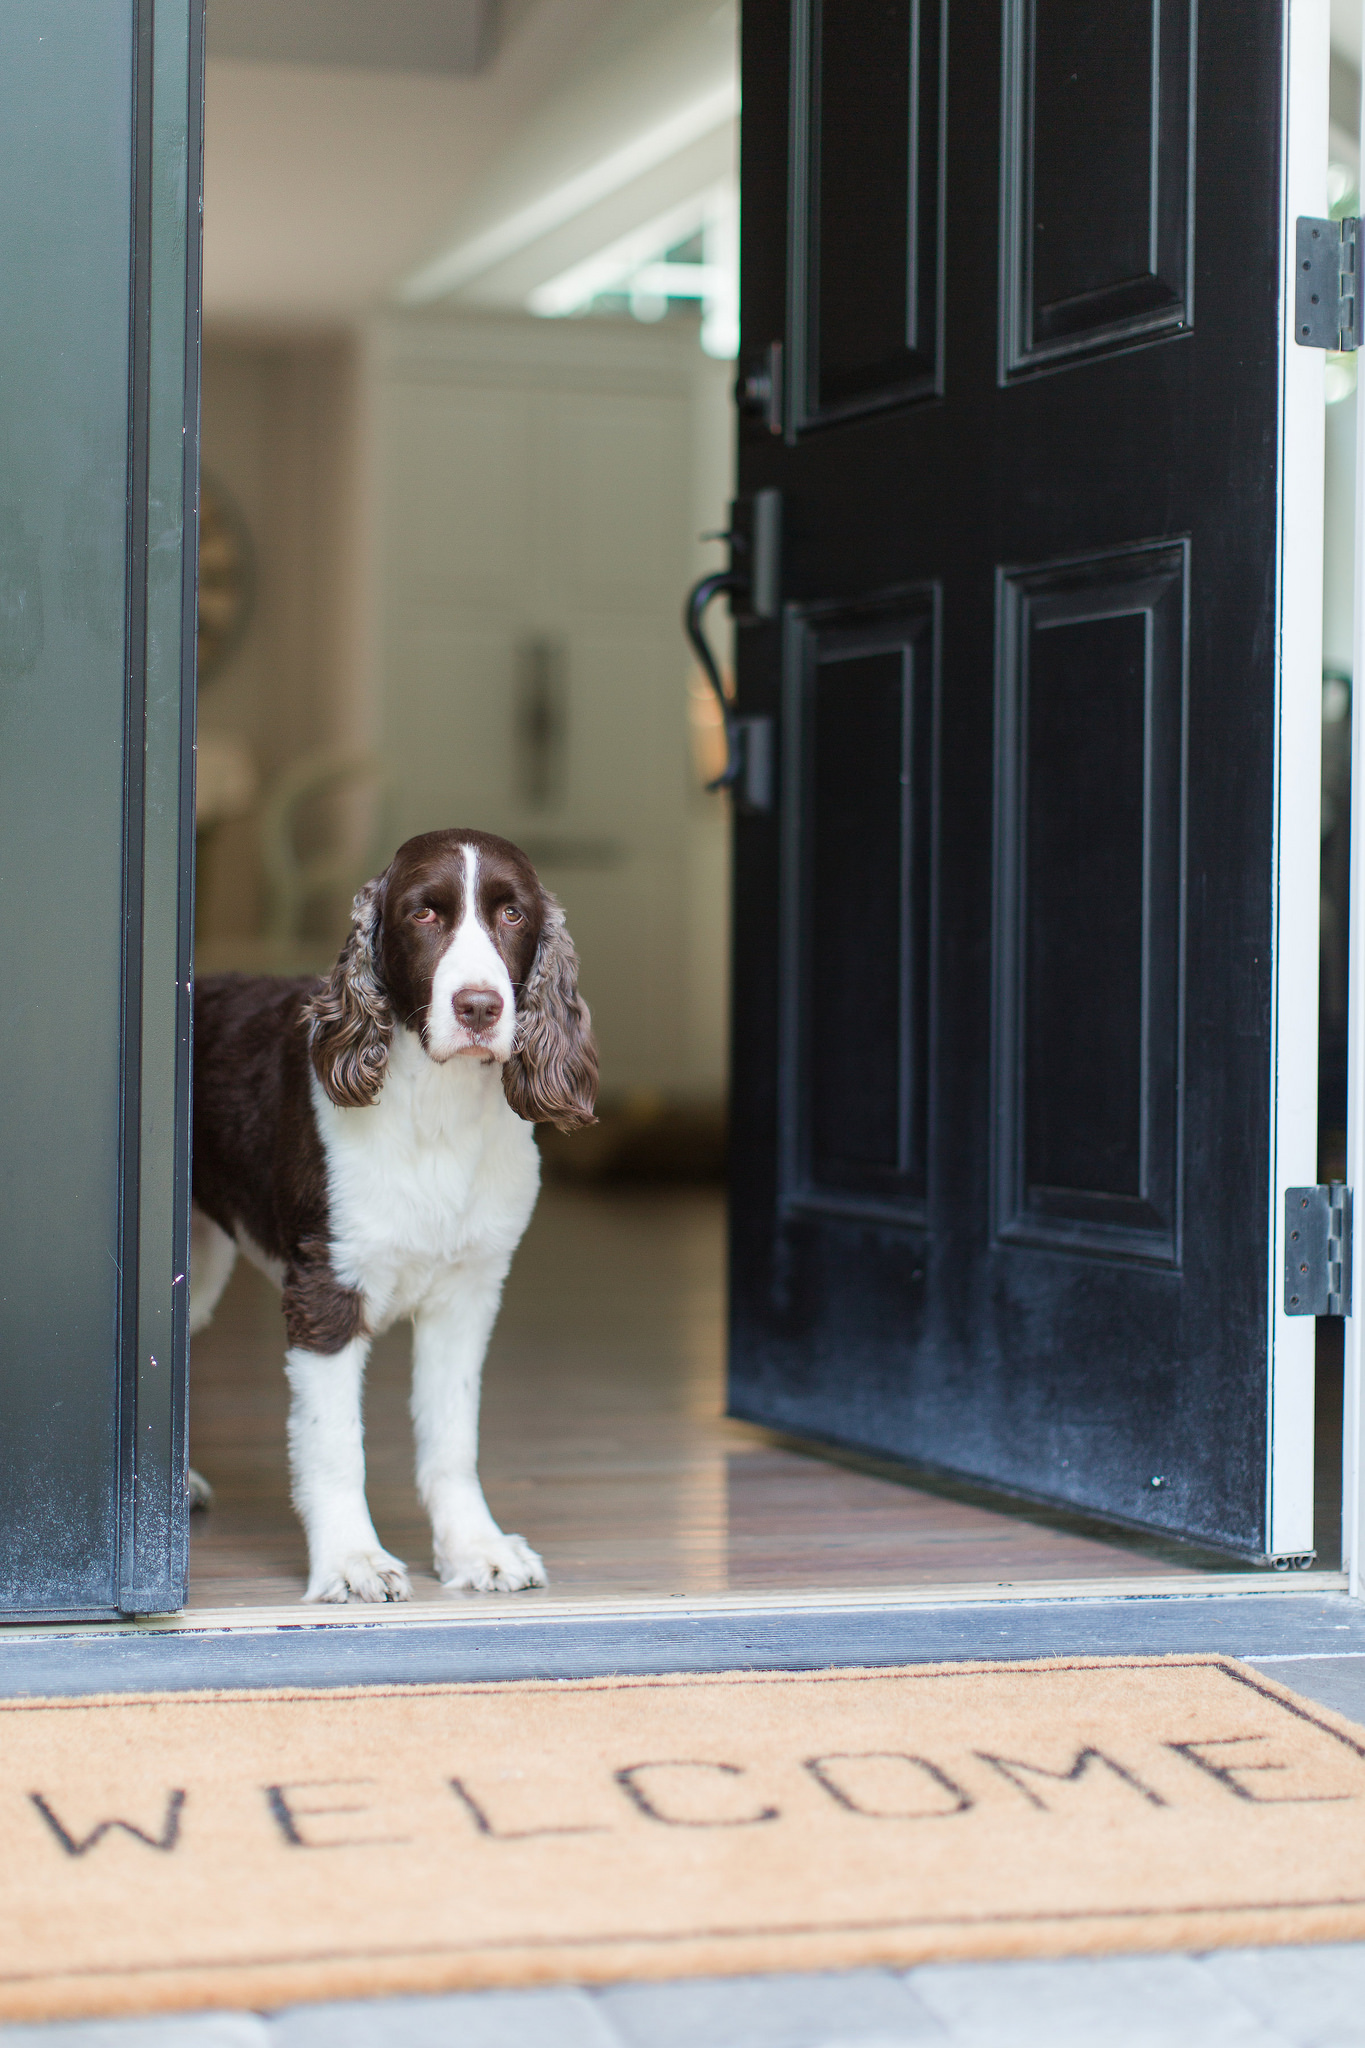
{"x": 361, "y": 1575}
{"x": 491, "y": 1564}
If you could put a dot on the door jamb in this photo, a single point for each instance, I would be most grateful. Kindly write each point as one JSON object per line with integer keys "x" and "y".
{"x": 1298, "y": 770}
{"x": 1353, "y": 1419}
{"x": 152, "y": 1563}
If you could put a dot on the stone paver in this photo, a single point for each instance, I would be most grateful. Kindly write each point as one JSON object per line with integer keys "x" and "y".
{"x": 1314, "y": 1996}
{"x": 1235, "y": 1998}
{"x": 1337, "y": 1682}
{"x": 864, "y": 2007}
{"x": 479, "y": 2019}
{"x": 175, "y": 2030}
{"x": 1105, "y": 2002}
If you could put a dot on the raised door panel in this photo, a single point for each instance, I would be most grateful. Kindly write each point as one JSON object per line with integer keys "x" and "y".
{"x": 449, "y": 719}
{"x": 1096, "y": 194}
{"x": 459, "y": 495}
{"x": 614, "y": 536}
{"x": 867, "y": 92}
{"x": 456, "y": 720}
{"x": 858, "y": 889}
{"x": 1089, "y": 903}
{"x": 626, "y": 731}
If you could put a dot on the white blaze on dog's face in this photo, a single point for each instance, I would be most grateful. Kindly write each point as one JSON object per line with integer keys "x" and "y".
{"x": 460, "y": 937}
{"x": 473, "y": 1005}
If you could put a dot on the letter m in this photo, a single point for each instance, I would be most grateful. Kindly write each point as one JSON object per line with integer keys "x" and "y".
{"x": 1016, "y": 1770}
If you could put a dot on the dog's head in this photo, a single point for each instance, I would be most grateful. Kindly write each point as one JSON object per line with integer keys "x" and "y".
{"x": 458, "y": 941}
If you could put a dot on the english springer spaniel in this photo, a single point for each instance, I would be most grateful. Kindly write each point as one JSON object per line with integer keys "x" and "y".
{"x": 367, "y": 1141}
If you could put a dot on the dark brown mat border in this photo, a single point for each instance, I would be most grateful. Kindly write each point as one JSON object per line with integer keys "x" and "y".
{"x": 798, "y": 1931}
{"x": 975, "y": 1667}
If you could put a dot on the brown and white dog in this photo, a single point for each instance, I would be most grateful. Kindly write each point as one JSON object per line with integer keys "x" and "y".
{"x": 367, "y": 1140}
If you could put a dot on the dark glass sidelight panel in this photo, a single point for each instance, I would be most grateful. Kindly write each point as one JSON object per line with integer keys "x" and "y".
{"x": 1090, "y": 774}
{"x": 100, "y": 167}
{"x": 860, "y": 728}
{"x": 1098, "y": 261}
{"x": 66, "y": 84}
{"x": 865, "y": 205}
{"x": 1085, "y": 727}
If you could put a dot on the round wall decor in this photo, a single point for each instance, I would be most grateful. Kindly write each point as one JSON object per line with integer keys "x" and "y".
{"x": 226, "y": 576}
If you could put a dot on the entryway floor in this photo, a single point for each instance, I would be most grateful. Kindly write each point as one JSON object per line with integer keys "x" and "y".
{"x": 1234, "y": 1998}
{"x": 605, "y": 1444}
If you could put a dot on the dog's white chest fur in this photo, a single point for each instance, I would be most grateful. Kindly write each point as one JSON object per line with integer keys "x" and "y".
{"x": 437, "y": 1174}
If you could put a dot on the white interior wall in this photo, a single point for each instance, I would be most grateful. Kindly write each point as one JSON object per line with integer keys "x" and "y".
{"x": 327, "y": 184}
{"x": 549, "y": 480}
{"x": 1339, "y": 537}
{"x": 1343, "y": 151}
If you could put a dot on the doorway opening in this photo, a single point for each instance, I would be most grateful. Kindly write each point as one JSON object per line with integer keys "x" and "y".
{"x": 470, "y": 321}
{"x": 1338, "y": 619}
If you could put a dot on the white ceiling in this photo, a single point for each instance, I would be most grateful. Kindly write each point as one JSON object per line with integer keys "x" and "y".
{"x": 402, "y": 35}
{"x": 329, "y": 184}
{"x": 341, "y": 167}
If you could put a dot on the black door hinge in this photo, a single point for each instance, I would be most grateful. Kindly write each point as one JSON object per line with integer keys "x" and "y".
{"x": 1327, "y": 295}
{"x": 1317, "y": 1251}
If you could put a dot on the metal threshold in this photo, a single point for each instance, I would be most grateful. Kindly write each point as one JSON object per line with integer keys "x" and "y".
{"x": 520, "y": 1610}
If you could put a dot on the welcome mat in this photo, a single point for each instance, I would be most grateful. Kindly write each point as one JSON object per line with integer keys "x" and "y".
{"x": 253, "y": 1849}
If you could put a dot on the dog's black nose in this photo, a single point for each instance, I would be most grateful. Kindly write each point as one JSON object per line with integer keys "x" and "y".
{"x": 477, "y": 1008}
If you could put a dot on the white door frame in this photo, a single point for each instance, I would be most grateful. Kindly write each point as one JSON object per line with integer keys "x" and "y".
{"x": 1353, "y": 1432}
{"x": 1298, "y": 777}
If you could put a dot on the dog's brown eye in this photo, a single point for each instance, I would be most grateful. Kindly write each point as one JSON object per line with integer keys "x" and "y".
{"x": 512, "y": 914}
{"x": 427, "y": 916}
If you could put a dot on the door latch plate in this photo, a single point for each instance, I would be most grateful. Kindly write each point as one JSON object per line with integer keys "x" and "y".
{"x": 755, "y": 537}
{"x": 1317, "y": 1251}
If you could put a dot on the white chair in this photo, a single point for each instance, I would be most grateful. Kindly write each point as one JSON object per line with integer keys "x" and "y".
{"x": 309, "y": 886}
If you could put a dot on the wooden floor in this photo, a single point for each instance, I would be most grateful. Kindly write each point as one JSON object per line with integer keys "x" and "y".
{"x": 605, "y": 1445}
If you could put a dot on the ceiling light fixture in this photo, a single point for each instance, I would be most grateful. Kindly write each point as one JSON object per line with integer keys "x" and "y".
{"x": 576, "y": 288}
{"x": 639, "y": 268}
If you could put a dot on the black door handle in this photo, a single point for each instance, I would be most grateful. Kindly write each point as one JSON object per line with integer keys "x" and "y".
{"x": 752, "y": 581}
{"x": 694, "y": 611}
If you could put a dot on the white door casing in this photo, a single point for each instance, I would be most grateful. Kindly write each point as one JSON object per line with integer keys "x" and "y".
{"x": 1294, "y": 1056}
{"x": 1353, "y": 1432}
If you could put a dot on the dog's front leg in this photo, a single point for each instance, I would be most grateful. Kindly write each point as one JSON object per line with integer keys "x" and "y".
{"x": 451, "y": 1337}
{"x": 327, "y": 1466}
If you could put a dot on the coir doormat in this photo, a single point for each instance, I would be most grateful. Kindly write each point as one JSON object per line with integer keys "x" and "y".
{"x": 258, "y": 1848}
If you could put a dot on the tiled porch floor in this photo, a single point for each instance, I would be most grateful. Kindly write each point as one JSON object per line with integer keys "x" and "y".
{"x": 1248, "y": 1998}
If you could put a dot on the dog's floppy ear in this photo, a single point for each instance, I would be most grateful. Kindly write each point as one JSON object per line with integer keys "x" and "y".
{"x": 551, "y": 1077}
{"x": 349, "y": 1018}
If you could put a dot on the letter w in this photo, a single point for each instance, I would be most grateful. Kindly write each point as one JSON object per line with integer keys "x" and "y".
{"x": 167, "y": 1839}
{"x": 1009, "y": 1765}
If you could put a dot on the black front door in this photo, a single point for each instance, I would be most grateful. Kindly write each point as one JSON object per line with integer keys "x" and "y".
{"x": 99, "y": 256}
{"x": 1006, "y": 986}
